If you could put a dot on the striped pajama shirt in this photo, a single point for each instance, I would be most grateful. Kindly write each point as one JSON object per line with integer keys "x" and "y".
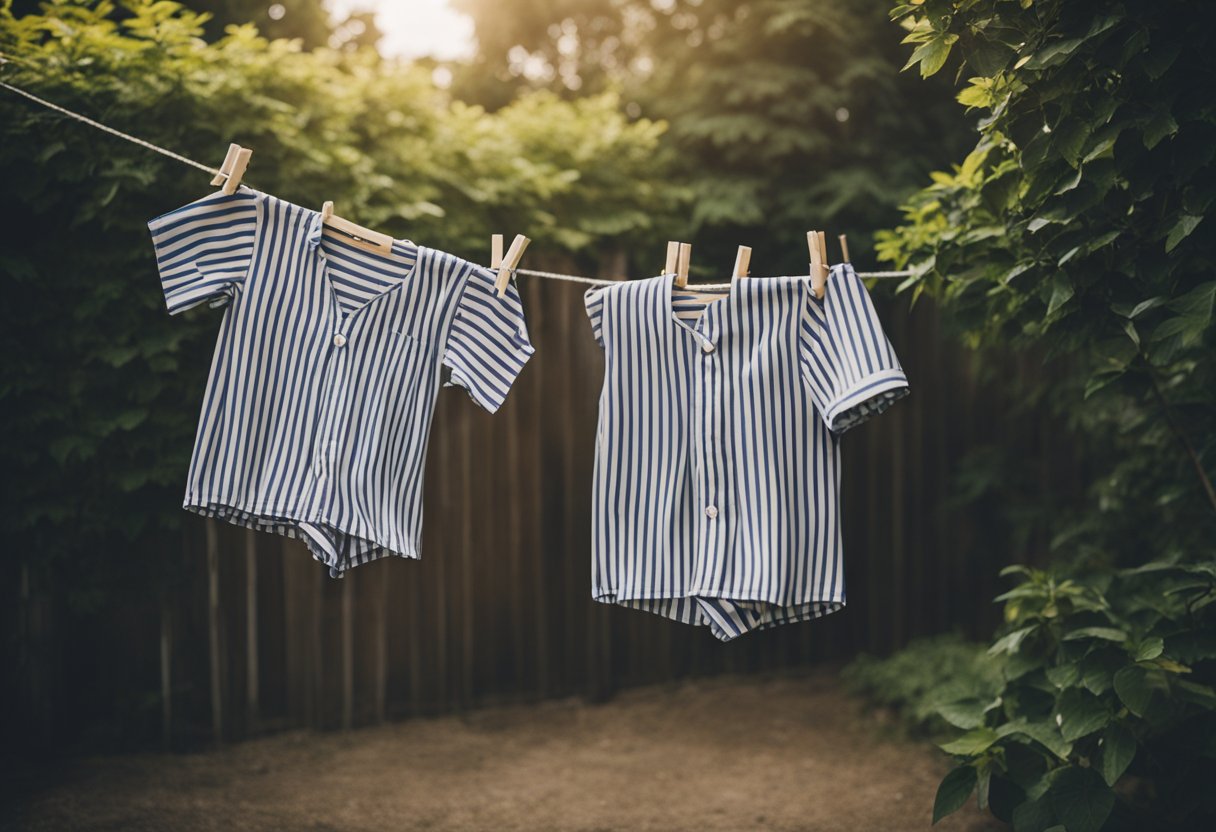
{"x": 716, "y": 490}
{"x": 323, "y": 382}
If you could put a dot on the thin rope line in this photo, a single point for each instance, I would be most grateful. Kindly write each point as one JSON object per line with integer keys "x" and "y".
{"x": 107, "y": 129}
{"x": 595, "y": 281}
{"x": 571, "y": 278}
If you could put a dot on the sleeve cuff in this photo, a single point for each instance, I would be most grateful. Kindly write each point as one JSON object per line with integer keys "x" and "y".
{"x": 490, "y": 392}
{"x": 867, "y": 398}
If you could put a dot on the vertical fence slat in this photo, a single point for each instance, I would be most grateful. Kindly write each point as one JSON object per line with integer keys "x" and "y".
{"x": 466, "y": 510}
{"x": 380, "y": 634}
{"x": 214, "y": 634}
{"x": 348, "y": 652}
{"x": 166, "y": 670}
{"x": 252, "y": 668}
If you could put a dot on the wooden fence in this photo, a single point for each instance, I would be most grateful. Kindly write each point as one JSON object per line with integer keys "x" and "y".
{"x": 259, "y": 638}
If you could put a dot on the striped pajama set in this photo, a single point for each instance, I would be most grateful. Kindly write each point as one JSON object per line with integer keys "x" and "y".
{"x": 318, "y": 407}
{"x": 716, "y": 491}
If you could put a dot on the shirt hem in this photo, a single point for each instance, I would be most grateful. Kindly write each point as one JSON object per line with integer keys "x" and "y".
{"x": 782, "y": 612}
{"x": 284, "y": 522}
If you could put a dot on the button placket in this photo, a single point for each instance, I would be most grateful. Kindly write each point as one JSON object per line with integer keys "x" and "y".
{"x": 710, "y": 416}
{"x": 337, "y": 386}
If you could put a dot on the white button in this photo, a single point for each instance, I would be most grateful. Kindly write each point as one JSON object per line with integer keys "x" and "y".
{"x": 707, "y": 347}
{"x": 339, "y": 339}
{"x": 711, "y": 512}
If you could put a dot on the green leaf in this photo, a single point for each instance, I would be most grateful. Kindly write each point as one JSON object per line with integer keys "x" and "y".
{"x": 1181, "y": 230}
{"x": 131, "y": 418}
{"x": 1102, "y": 146}
{"x": 1065, "y": 675}
{"x": 1118, "y": 750}
{"x": 932, "y": 54}
{"x": 1033, "y": 816}
{"x": 1136, "y": 686}
{"x": 1053, "y": 53}
{"x": 1162, "y": 124}
{"x": 1061, "y": 292}
{"x": 953, "y": 792}
{"x": 965, "y": 713}
{"x": 1146, "y": 305}
{"x": 1070, "y": 139}
{"x": 1080, "y": 713}
{"x": 1195, "y": 310}
{"x": 1130, "y": 329}
{"x": 1046, "y": 734}
{"x": 1149, "y": 648}
{"x": 1107, "y": 633}
{"x": 1195, "y": 693}
{"x": 971, "y": 743}
{"x": 1081, "y": 800}
{"x": 1198, "y": 302}
{"x": 987, "y": 57}
{"x": 1169, "y": 665}
{"x": 1010, "y": 642}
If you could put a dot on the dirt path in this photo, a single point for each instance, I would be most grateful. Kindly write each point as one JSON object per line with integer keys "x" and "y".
{"x": 712, "y": 755}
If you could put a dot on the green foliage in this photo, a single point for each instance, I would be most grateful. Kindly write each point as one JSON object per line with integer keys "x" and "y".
{"x": 100, "y": 385}
{"x": 307, "y": 20}
{"x": 934, "y": 682}
{"x": 785, "y": 114}
{"x": 1105, "y": 715}
{"x": 1075, "y": 226}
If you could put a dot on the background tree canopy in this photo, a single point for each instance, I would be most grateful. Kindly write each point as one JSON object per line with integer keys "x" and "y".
{"x": 784, "y": 114}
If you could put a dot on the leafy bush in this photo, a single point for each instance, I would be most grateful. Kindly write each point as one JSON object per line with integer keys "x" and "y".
{"x": 1072, "y": 227}
{"x": 1106, "y": 714}
{"x": 927, "y": 675}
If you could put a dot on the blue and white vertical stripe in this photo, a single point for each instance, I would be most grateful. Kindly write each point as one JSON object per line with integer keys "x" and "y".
{"x": 318, "y": 407}
{"x": 716, "y": 492}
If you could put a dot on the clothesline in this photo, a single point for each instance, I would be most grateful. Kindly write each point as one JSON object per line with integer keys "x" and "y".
{"x": 570, "y": 278}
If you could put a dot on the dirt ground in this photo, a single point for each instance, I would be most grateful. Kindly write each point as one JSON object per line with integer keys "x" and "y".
{"x": 783, "y": 754}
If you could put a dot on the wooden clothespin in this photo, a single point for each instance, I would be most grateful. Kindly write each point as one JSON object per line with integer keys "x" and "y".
{"x": 673, "y": 257}
{"x": 683, "y": 261}
{"x": 816, "y": 244}
{"x": 509, "y": 261}
{"x": 743, "y": 260}
{"x": 495, "y": 251}
{"x": 844, "y": 249}
{"x": 233, "y": 168}
{"x": 360, "y": 236}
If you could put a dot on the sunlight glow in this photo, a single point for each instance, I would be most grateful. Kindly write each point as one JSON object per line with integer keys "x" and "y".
{"x": 416, "y": 28}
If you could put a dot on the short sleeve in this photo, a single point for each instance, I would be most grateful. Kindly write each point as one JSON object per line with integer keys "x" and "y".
{"x": 847, "y": 360}
{"x": 594, "y": 302}
{"x": 487, "y": 343}
{"x": 203, "y": 250}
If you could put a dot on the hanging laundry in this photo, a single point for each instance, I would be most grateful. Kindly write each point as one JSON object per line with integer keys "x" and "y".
{"x": 318, "y": 408}
{"x": 716, "y": 492}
